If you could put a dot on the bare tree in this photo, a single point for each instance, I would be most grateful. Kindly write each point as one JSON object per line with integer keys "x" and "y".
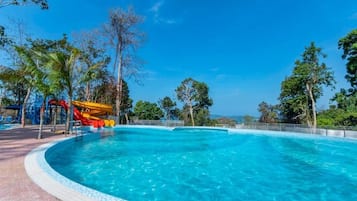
{"x": 123, "y": 35}
{"x": 42, "y": 3}
{"x": 93, "y": 58}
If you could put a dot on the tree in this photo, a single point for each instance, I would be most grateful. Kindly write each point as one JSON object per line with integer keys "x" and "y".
{"x": 167, "y": 105}
{"x": 39, "y": 77}
{"x": 247, "y": 119}
{"x": 301, "y": 90}
{"x": 93, "y": 60}
{"x": 42, "y": 3}
{"x": 195, "y": 97}
{"x": 349, "y": 46}
{"x": 126, "y": 103}
{"x": 14, "y": 82}
{"x": 63, "y": 73}
{"x": 346, "y": 101}
{"x": 125, "y": 38}
{"x": 268, "y": 113}
{"x": 4, "y": 39}
{"x": 188, "y": 95}
{"x": 145, "y": 110}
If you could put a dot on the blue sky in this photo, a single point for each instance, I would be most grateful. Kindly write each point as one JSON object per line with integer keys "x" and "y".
{"x": 242, "y": 50}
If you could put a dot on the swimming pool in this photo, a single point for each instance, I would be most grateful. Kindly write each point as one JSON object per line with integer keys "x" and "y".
{"x": 185, "y": 164}
{"x": 5, "y": 126}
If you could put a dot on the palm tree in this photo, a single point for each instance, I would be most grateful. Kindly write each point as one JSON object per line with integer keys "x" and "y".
{"x": 63, "y": 67}
{"x": 31, "y": 61}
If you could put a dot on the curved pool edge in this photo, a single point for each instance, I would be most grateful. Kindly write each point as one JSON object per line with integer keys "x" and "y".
{"x": 65, "y": 189}
{"x": 54, "y": 183}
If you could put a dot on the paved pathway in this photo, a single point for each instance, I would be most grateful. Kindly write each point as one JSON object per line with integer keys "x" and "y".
{"x": 15, "y": 185}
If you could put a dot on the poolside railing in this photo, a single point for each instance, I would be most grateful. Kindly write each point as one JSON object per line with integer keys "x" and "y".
{"x": 342, "y": 131}
{"x": 168, "y": 123}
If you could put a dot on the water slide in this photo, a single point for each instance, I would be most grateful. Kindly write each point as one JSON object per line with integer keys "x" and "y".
{"x": 94, "y": 110}
{"x": 77, "y": 115}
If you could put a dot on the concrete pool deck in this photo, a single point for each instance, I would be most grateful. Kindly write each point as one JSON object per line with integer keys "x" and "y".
{"x": 15, "y": 144}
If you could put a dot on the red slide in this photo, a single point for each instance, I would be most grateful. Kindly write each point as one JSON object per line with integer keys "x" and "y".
{"x": 77, "y": 114}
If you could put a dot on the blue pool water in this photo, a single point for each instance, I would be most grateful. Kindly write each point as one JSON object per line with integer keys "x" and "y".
{"x": 154, "y": 164}
{"x": 5, "y": 126}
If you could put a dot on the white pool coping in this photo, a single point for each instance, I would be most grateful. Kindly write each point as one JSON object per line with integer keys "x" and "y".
{"x": 54, "y": 183}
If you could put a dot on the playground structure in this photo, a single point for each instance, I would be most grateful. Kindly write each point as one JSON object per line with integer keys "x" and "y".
{"x": 91, "y": 112}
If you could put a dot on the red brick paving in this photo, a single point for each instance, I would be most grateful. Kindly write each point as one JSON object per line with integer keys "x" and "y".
{"x": 15, "y": 185}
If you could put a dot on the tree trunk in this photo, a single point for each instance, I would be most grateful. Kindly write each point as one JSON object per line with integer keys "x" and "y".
{"x": 191, "y": 114}
{"x": 23, "y": 109}
{"x": 42, "y": 111}
{"x": 69, "y": 115}
{"x": 118, "y": 88}
{"x": 88, "y": 91}
{"x": 314, "y": 121}
{"x": 127, "y": 118}
{"x": 55, "y": 119}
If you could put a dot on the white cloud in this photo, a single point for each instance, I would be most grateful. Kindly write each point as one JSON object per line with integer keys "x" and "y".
{"x": 155, "y": 9}
{"x": 221, "y": 76}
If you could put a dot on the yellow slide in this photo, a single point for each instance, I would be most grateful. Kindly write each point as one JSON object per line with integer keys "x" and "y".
{"x": 93, "y": 110}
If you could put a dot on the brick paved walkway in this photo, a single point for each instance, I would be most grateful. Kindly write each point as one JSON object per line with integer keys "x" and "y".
{"x": 15, "y": 185}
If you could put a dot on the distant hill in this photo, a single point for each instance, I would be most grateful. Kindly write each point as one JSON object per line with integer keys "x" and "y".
{"x": 238, "y": 118}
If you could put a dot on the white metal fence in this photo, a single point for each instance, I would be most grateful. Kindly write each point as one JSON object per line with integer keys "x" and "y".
{"x": 169, "y": 123}
{"x": 349, "y": 132}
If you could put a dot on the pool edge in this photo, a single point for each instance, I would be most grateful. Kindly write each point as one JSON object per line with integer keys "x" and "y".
{"x": 41, "y": 177}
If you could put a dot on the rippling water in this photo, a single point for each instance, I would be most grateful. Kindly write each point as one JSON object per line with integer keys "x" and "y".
{"x": 154, "y": 164}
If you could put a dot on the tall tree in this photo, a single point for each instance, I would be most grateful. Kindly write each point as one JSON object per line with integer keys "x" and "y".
{"x": 301, "y": 90}
{"x": 93, "y": 60}
{"x": 124, "y": 36}
{"x": 63, "y": 74}
{"x": 188, "y": 95}
{"x": 34, "y": 67}
{"x": 167, "y": 105}
{"x": 145, "y": 110}
{"x": 268, "y": 113}
{"x": 196, "y": 100}
{"x": 349, "y": 47}
{"x": 126, "y": 103}
{"x": 14, "y": 83}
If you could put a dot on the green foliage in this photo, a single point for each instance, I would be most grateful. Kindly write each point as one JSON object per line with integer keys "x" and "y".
{"x": 94, "y": 61}
{"x": 202, "y": 117}
{"x": 346, "y": 101}
{"x": 145, "y": 110}
{"x": 105, "y": 91}
{"x": 349, "y": 46}
{"x": 4, "y": 39}
{"x": 168, "y": 106}
{"x": 14, "y": 82}
{"x": 247, "y": 119}
{"x": 337, "y": 117}
{"x": 5, "y": 101}
{"x": 268, "y": 113}
{"x": 224, "y": 121}
{"x": 300, "y": 91}
{"x": 196, "y": 101}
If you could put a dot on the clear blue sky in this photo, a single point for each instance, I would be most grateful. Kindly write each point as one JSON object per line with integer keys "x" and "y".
{"x": 243, "y": 50}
